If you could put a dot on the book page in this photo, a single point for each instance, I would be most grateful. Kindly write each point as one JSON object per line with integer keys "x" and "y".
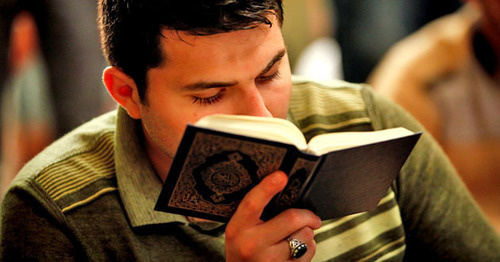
{"x": 274, "y": 129}
{"x": 325, "y": 143}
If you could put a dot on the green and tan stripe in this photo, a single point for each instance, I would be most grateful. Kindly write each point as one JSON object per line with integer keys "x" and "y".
{"x": 326, "y": 111}
{"x": 388, "y": 244}
{"x": 78, "y": 171}
{"x": 338, "y": 228}
{"x": 333, "y": 126}
{"x": 78, "y": 176}
{"x": 332, "y": 225}
{"x": 306, "y": 101}
{"x": 89, "y": 199}
{"x": 367, "y": 236}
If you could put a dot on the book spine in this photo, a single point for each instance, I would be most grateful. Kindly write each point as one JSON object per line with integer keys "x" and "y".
{"x": 307, "y": 184}
{"x": 299, "y": 170}
{"x": 289, "y": 160}
{"x": 300, "y": 203}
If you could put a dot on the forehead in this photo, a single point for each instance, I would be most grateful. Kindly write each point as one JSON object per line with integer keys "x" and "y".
{"x": 187, "y": 56}
{"x": 181, "y": 42}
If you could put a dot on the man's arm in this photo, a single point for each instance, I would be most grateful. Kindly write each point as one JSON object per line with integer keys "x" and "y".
{"x": 410, "y": 66}
{"x": 440, "y": 217}
{"x": 30, "y": 231}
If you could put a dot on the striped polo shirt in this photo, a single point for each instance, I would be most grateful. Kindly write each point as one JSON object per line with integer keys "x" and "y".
{"x": 105, "y": 157}
{"x": 91, "y": 195}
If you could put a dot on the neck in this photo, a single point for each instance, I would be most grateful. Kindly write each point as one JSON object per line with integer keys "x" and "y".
{"x": 159, "y": 159}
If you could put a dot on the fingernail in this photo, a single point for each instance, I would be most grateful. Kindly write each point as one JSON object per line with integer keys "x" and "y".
{"x": 277, "y": 179}
{"x": 319, "y": 220}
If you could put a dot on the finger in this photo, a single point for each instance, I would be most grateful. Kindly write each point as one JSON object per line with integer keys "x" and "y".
{"x": 251, "y": 207}
{"x": 288, "y": 222}
{"x": 305, "y": 235}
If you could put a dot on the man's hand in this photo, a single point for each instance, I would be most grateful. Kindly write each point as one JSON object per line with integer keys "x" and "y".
{"x": 248, "y": 238}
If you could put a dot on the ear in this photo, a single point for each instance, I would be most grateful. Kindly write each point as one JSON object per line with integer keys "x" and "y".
{"x": 123, "y": 90}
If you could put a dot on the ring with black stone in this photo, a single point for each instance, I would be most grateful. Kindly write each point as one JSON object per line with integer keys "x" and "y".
{"x": 297, "y": 248}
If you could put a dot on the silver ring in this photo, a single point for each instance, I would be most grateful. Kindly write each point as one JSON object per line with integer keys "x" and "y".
{"x": 297, "y": 248}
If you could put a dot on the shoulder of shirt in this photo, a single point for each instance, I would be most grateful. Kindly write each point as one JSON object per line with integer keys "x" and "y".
{"x": 329, "y": 106}
{"x": 76, "y": 169}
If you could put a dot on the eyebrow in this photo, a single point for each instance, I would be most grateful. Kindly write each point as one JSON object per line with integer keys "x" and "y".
{"x": 207, "y": 85}
{"x": 275, "y": 59}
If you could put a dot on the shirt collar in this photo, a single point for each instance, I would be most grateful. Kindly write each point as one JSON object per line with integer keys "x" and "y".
{"x": 138, "y": 183}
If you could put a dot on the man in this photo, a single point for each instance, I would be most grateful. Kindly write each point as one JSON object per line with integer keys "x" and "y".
{"x": 447, "y": 75}
{"x": 90, "y": 195}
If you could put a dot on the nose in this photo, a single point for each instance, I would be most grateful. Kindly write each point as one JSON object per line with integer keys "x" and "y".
{"x": 252, "y": 103}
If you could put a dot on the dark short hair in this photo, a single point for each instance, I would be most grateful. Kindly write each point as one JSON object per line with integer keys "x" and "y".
{"x": 131, "y": 29}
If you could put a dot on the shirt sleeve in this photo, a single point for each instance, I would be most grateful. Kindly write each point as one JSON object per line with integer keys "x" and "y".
{"x": 441, "y": 220}
{"x": 32, "y": 230}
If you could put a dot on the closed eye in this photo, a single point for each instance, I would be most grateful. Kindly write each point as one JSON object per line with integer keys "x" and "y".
{"x": 205, "y": 101}
{"x": 268, "y": 78}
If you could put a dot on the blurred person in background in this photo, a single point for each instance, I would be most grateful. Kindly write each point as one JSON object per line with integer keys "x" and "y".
{"x": 49, "y": 87}
{"x": 310, "y": 38}
{"x": 448, "y": 76}
{"x": 27, "y": 113}
{"x": 344, "y": 39}
{"x": 366, "y": 29}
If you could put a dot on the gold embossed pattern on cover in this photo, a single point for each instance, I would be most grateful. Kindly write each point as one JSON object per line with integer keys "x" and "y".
{"x": 220, "y": 171}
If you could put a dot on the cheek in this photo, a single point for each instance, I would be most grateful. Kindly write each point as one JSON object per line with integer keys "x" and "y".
{"x": 283, "y": 92}
{"x": 160, "y": 134}
{"x": 164, "y": 128}
{"x": 278, "y": 99}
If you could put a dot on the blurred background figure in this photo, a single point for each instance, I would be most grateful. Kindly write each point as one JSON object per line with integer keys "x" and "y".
{"x": 28, "y": 123}
{"x": 366, "y": 29}
{"x": 448, "y": 76}
{"x": 309, "y": 34}
{"x": 345, "y": 39}
{"x": 50, "y": 75}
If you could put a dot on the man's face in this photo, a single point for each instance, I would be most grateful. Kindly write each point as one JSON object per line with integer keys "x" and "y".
{"x": 243, "y": 72}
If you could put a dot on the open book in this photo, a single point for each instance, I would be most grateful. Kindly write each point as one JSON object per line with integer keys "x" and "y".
{"x": 221, "y": 157}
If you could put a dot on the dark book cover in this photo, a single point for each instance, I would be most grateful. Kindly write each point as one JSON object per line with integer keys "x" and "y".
{"x": 212, "y": 171}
